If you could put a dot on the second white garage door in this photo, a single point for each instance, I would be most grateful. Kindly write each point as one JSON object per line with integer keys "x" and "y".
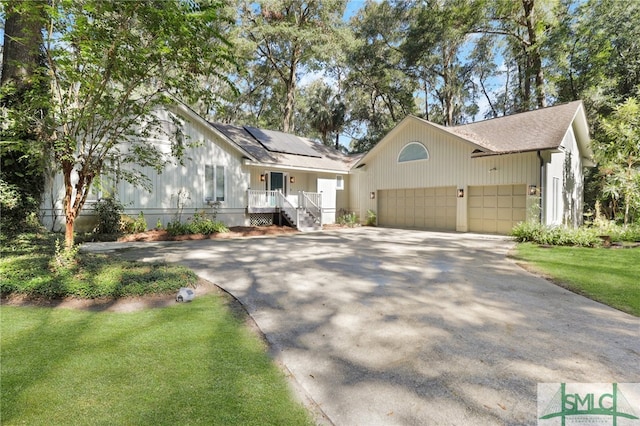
{"x": 423, "y": 208}
{"x": 496, "y": 208}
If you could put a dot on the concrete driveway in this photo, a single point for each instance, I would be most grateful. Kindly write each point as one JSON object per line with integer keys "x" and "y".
{"x": 387, "y": 326}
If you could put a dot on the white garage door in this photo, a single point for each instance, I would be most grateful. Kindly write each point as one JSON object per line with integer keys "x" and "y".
{"x": 422, "y": 208}
{"x": 496, "y": 209}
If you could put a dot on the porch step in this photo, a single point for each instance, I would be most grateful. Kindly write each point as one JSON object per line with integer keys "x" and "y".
{"x": 307, "y": 222}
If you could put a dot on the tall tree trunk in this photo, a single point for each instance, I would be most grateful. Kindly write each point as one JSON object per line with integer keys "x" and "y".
{"x": 69, "y": 214}
{"x": 291, "y": 85}
{"x": 534, "y": 62}
{"x": 22, "y": 41}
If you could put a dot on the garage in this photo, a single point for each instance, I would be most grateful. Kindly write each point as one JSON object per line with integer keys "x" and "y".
{"x": 496, "y": 208}
{"x": 422, "y": 208}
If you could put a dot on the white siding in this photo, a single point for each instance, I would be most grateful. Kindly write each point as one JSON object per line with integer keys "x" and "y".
{"x": 176, "y": 182}
{"x": 563, "y": 184}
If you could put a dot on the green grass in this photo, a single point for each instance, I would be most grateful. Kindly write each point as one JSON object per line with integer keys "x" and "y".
{"x": 27, "y": 266}
{"x": 610, "y": 276}
{"x": 191, "y": 363}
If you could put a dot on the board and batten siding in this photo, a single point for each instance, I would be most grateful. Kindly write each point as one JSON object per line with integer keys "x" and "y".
{"x": 178, "y": 191}
{"x": 449, "y": 164}
{"x": 564, "y": 184}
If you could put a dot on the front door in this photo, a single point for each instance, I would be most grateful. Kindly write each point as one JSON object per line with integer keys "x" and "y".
{"x": 276, "y": 182}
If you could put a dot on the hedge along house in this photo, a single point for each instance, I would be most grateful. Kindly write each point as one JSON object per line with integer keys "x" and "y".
{"x": 481, "y": 177}
{"x": 248, "y": 176}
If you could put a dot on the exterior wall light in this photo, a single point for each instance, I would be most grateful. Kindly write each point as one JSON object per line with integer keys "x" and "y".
{"x": 372, "y": 195}
{"x": 262, "y": 177}
{"x": 460, "y": 193}
{"x": 292, "y": 179}
{"x": 533, "y": 190}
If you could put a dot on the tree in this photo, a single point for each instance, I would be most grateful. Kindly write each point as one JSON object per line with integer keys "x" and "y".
{"x": 620, "y": 156}
{"x": 433, "y": 44}
{"x": 23, "y": 87}
{"x": 379, "y": 93}
{"x": 288, "y": 37}
{"x": 526, "y": 25}
{"x": 326, "y": 112}
{"x": 110, "y": 65}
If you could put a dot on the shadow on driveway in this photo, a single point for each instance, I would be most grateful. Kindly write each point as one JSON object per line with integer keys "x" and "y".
{"x": 388, "y": 326}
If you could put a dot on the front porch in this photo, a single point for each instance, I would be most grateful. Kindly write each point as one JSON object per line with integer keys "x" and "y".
{"x": 303, "y": 210}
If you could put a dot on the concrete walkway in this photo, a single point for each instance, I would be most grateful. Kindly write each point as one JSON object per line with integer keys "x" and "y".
{"x": 386, "y": 326}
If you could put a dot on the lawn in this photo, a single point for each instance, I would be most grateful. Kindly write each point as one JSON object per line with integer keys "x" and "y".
{"x": 192, "y": 363}
{"x": 610, "y": 276}
{"x": 27, "y": 266}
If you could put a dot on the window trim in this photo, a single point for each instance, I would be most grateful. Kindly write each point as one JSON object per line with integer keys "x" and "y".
{"x": 339, "y": 183}
{"x": 404, "y": 148}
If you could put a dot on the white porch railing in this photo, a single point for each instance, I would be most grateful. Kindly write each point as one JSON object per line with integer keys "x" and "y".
{"x": 311, "y": 202}
{"x": 295, "y": 206}
{"x": 263, "y": 199}
{"x": 289, "y": 209}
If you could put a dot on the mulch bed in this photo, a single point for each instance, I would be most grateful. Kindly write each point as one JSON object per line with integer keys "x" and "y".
{"x": 234, "y": 232}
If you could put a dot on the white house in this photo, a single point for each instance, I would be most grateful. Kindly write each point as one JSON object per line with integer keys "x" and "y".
{"x": 481, "y": 177}
{"x": 249, "y": 176}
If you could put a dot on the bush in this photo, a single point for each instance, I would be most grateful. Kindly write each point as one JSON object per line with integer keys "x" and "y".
{"x": 109, "y": 210}
{"x": 128, "y": 225}
{"x": 371, "y": 218}
{"x": 348, "y": 219}
{"x": 558, "y": 235}
{"x": 199, "y": 224}
{"x": 19, "y": 210}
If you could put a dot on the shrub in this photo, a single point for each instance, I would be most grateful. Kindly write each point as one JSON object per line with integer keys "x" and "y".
{"x": 348, "y": 219}
{"x": 199, "y": 224}
{"x": 19, "y": 210}
{"x": 558, "y": 235}
{"x": 371, "y": 218}
{"x": 175, "y": 227}
{"x": 128, "y": 225}
{"x": 109, "y": 211}
{"x": 64, "y": 260}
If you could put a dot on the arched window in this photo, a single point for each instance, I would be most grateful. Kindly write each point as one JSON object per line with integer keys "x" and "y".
{"x": 413, "y": 151}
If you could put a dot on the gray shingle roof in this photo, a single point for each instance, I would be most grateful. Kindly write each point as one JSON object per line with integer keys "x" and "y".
{"x": 302, "y": 152}
{"x": 528, "y": 131}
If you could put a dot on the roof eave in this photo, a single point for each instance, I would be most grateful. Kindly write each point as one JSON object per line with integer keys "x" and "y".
{"x": 298, "y": 168}
{"x": 181, "y": 107}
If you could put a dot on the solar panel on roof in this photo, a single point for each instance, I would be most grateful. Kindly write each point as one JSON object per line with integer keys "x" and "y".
{"x": 282, "y": 142}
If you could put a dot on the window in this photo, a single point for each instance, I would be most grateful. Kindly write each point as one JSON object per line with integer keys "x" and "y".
{"x": 413, "y": 151}
{"x": 339, "y": 182}
{"x": 214, "y": 183}
{"x": 555, "y": 201}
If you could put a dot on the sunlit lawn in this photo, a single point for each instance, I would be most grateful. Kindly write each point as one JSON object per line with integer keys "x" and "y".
{"x": 191, "y": 363}
{"x": 610, "y": 276}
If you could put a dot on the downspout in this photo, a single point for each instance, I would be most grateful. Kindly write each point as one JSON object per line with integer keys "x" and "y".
{"x": 540, "y": 186}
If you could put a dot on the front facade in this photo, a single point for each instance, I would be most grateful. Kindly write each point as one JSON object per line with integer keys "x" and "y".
{"x": 483, "y": 177}
{"x": 224, "y": 168}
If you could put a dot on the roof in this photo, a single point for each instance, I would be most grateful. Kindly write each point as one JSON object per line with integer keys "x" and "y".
{"x": 540, "y": 129}
{"x": 537, "y": 130}
{"x": 273, "y": 148}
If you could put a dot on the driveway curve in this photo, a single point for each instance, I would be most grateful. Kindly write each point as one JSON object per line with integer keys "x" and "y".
{"x": 388, "y": 326}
